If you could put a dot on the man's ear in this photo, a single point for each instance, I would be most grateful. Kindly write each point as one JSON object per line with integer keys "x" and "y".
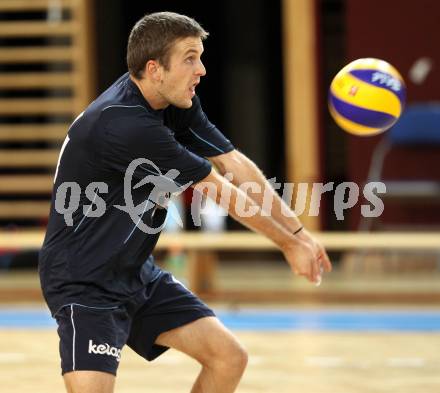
{"x": 153, "y": 70}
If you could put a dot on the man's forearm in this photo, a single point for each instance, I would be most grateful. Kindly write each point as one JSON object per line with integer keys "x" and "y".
{"x": 305, "y": 255}
{"x": 244, "y": 209}
{"x": 243, "y": 171}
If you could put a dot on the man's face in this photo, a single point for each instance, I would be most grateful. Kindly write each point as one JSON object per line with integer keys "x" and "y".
{"x": 177, "y": 84}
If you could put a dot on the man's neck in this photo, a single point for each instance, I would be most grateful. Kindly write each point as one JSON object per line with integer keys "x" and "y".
{"x": 149, "y": 92}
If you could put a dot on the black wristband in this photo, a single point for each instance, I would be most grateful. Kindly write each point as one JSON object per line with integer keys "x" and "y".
{"x": 298, "y": 230}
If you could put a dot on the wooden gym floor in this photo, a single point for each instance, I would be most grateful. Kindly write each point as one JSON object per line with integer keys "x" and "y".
{"x": 346, "y": 357}
{"x": 281, "y": 361}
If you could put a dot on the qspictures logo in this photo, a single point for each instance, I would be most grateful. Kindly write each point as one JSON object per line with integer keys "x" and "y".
{"x": 163, "y": 185}
{"x": 104, "y": 349}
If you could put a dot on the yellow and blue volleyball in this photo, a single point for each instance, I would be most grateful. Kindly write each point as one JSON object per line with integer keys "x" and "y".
{"x": 367, "y": 96}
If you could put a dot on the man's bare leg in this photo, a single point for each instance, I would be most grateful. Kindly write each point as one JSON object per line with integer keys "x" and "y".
{"x": 89, "y": 382}
{"x": 222, "y": 357}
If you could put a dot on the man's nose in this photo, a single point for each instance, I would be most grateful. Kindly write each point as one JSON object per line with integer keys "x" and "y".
{"x": 201, "y": 70}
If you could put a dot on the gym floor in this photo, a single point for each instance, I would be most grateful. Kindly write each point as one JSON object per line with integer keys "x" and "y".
{"x": 293, "y": 347}
{"x": 308, "y": 349}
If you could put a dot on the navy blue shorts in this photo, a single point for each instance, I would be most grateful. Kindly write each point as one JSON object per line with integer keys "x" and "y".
{"x": 91, "y": 338}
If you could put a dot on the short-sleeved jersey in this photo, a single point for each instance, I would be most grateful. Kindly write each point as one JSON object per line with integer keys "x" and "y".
{"x": 101, "y": 258}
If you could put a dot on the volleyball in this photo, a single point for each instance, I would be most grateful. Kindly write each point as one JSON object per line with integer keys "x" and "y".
{"x": 367, "y": 96}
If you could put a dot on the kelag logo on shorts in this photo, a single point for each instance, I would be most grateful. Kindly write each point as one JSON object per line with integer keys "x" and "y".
{"x": 104, "y": 349}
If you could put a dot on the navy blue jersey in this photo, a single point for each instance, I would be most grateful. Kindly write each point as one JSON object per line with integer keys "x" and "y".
{"x": 97, "y": 256}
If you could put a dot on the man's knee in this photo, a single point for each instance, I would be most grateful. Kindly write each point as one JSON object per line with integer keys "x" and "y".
{"x": 239, "y": 358}
{"x": 229, "y": 356}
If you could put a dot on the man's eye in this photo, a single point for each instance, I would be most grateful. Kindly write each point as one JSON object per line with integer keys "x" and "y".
{"x": 189, "y": 59}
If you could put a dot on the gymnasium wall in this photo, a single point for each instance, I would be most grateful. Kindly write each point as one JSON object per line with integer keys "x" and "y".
{"x": 403, "y": 33}
{"x": 242, "y": 91}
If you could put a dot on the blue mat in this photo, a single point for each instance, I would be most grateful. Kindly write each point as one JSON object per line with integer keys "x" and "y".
{"x": 321, "y": 320}
{"x": 264, "y": 320}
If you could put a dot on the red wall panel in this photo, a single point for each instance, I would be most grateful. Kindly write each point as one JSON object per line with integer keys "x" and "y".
{"x": 400, "y": 32}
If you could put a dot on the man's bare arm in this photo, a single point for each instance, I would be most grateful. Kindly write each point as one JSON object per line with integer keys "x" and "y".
{"x": 300, "y": 255}
{"x": 244, "y": 170}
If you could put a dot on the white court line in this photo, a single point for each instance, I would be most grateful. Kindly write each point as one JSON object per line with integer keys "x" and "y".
{"x": 334, "y": 361}
{"x": 12, "y": 357}
{"x": 324, "y": 361}
{"x": 364, "y": 365}
{"x": 406, "y": 362}
{"x": 256, "y": 360}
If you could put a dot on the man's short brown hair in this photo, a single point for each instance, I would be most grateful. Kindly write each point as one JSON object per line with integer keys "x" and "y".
{"x": 153, "y": 36}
